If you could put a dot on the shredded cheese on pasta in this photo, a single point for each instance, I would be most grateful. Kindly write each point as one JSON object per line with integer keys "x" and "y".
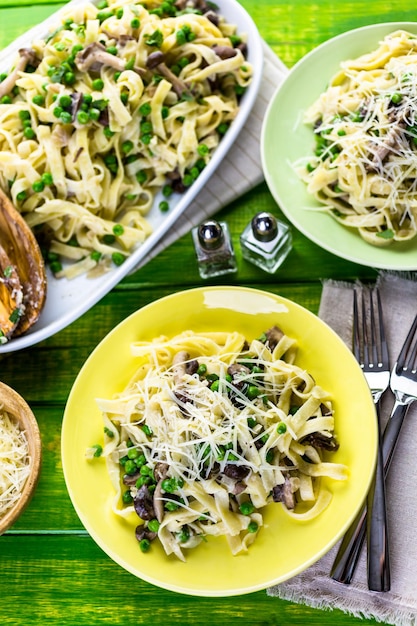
{"x": 15, "y": 462}
{"x": 364, "y": 169}
{"x": 118, "y": 104}
{"x": 209, "y": 431}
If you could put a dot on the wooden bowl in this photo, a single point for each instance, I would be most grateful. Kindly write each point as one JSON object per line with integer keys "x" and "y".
{"x": 15, "y": 405}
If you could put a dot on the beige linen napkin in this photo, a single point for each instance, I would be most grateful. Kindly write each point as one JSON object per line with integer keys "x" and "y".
{"x": 241, "y": 169}
{"x": 314, "y": 587}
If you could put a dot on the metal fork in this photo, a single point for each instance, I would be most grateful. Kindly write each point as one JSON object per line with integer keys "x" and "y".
{"x": 403, "y": 384}
{"x": 371, "y": 351}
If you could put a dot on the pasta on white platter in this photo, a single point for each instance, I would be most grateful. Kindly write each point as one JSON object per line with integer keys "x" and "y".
{"x": 212, "y": 429}
{"x": 364, "y": 169}
{"x": 123, "y": 100}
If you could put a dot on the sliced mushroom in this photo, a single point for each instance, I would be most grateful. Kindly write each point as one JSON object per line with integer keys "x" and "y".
{"x": 20, "y": 245}
{"x": 225, "y": 52}
{"x": 156, "y": 61}
{"x": 180, "y": 366}
{"x": 237, "y": 472}
{"x": 144, "y": 503}
{"x": 161, "y": 470}
{"x": 283, "y": 493}
{"x": 273, "y": 336}
{"x": 27, "y": 55}
{"x": 95, "y": 55}
{"x": 144, "y": 533}
{"x": 320, "y": 440}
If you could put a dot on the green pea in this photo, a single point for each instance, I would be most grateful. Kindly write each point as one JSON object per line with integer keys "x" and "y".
{"x": 21, "y": 196}
{"x": 396, "y": 98}
{"x": 143, "y": 480}
{"x": 112, "y": 50}
{"x": 167, "y": 191}
{"x": 184, "y": 534}
{"x": 147, "y": 430}
{"x": 145, "y": 470}
{"x": 24, "y": 115}
{"x": 6, "y": 99}
{"x": 38, "y": 100}
{"x": 29, "y": 133}
{"x": 135, "y": 23}
{"x": 215, "y": 385}
{"x": 281, "y": 428}
{"x": 66, "y": 117}
{"x": 107, "y": 132}
{"x": 108, "y": 239}
{"x": 94, "y": 114}
{"x": 55, "y": 267}
{"x": 127, "y": 146}
{"x": 83, "y": 117}
{"x": 38, "y": 186}
{"x": 127, "y": 497}
{"x": 164, "y": 206}
{"x": 118, "y": 258}
{"x": 253, "y": 527}
{"x": 171, "y": 506}
{"x": 145, "y": 109}
{"x": 130, "y": 466}
{"x": 98, "y": 450}
{"x": 252, "y": 392}
{"x": 141, "y": 177}
{"x": 153, "y": 525}
{"x": 203, "y": 149}
{"x": 118, "y": 230}
{"x": 223, "y": 128}
{"x": 133, "y": 453}
{"x": 169, "y": 485}
{"x": 246, "y": 508}
{"x": 65, "y": 101}
{"x": 69, "y": 78}
{"x": 98, "y": 84}
{"x": 46, "y": 178}
{"x": 145, "y": 545}
{"x": 202, "y": 369}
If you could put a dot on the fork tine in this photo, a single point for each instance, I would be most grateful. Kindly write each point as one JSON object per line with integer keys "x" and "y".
{"x": 356, "y": 340}
{"x": 365, "y": 339}
{"x": 382, "y": 337}
{"x": 402, "y": 362}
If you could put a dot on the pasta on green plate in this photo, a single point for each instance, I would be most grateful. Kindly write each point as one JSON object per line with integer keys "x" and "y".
{"x": 209, "y": 431}
{"x": 363, "y": 169}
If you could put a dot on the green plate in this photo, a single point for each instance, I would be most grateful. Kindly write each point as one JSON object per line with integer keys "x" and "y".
{"x": 285, "y": 138}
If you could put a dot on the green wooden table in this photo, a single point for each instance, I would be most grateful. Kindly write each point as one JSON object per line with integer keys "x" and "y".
{"x": 52, "y": 572}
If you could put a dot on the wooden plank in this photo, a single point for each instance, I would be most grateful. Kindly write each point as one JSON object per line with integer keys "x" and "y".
{"x": 72, "y": 581}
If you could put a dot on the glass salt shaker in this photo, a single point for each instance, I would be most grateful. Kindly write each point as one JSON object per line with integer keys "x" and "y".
{"x": 214, "y": 249}
{"x": 266, "y": 241}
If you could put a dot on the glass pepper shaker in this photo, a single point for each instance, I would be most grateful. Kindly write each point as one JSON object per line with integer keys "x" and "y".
{"x": 266, "y": 241}
{"x": 214, "y": 249}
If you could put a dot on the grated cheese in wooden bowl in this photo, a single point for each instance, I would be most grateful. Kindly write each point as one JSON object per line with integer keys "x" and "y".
{"x": 20, "y": 455}
{"x": 15, "y": 461}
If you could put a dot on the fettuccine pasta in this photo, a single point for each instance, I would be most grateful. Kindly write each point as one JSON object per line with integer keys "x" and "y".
{"x": 209, "y": 431}
{"x": 364, "y": 169}
{"x": 122, "y": 101}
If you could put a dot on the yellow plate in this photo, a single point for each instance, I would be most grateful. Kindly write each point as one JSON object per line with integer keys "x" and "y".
{"x": 284, "y": 547}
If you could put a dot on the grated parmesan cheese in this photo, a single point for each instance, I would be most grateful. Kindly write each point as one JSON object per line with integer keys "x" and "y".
{"x": 15, "y": 462}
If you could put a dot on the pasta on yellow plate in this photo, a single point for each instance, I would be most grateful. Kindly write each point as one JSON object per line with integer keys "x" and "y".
{"x": 123, "y": 100}
{"x": 209, "y": 431}
{"x": 364, "y": 168}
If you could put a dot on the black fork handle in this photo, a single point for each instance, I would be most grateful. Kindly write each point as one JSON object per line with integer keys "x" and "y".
{"x": 379, "y": 577}
{"x": 347, "y": 557}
